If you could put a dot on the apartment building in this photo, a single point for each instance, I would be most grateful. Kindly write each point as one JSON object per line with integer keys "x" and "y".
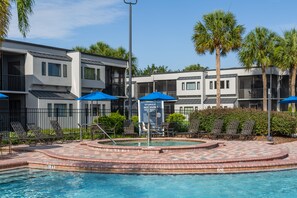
{"x": 44, "y": 77}
{"x": 197, "y": 90}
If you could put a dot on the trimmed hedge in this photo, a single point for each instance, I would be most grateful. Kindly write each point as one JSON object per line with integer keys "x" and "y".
{"x": 282, "y": 123}
{"x": 114, "y": 119}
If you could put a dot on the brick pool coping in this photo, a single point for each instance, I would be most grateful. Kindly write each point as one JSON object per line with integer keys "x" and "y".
{"x": 41, "y": 158}
{"x": 103, "y": 146}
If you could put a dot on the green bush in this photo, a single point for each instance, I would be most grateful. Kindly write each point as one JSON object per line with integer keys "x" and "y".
{"x": 281, "y": 123}
{"x": 179, "y": 119}
{"x": 109, "y": 121}
{"x": 135, "y": 122}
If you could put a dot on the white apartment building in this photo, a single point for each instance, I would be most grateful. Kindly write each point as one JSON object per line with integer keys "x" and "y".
{"x": 197, "y": 90}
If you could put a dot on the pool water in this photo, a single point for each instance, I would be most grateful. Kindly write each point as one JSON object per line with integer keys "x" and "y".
{"x": 158, "y": 143}
{"x": 36, "y": 183}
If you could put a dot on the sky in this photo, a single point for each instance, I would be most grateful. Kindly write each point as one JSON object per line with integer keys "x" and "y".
{"x": 161, "y": 29}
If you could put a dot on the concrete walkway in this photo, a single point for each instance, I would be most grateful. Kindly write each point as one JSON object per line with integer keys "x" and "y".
{"x": 229, "y": 157}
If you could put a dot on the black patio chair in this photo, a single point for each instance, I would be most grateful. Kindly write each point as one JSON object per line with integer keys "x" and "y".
{"x": 5, "y": 140}
{"x": 37, "y": 131}
{"x": 231, "y": 130}
{"x": 129, "y": 128}
{"x": 168, "y": 129}
{"x": 247, "y": 130}
{"x": 216, "y": 131}
{"x": 60, "y": 134}
{"x": 21, "y": 134}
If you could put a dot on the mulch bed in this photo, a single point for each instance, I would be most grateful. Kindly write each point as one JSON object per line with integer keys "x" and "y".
{"x": 277, "y": 140}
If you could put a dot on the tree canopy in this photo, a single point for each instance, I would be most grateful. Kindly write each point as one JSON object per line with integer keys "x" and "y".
{"x": 195, "y": 67}
{"x": 153, "y": 69}
{"x": 103, "y": 49}
{"x": 258, "y": 49}
{"x": 219, "y": 33}
{"x": 24, "y": 9}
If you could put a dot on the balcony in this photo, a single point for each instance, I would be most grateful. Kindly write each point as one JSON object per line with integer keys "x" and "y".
{"x": 12, "y": 83}
{"x": 254, "y": 93}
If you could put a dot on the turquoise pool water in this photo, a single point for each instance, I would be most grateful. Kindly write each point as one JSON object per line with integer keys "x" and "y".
{"x": 157, "y": 143}
{"x": 35, "y": 183}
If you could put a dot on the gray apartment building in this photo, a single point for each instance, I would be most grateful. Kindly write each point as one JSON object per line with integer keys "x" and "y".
{"x": 43, "y": 77}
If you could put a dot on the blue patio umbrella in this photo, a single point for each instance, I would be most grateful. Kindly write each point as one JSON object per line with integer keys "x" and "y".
{"x": 155, "y": 96}
{"x": 97, "y": 96}
{"x": 291, "y": 99}
{"x": 3, "y": 96}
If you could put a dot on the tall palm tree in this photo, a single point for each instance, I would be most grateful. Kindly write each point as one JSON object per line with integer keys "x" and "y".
{"x": 286, "y": 57}
{"x": 24, "y": 9}
{"x": 217, "y": 33}
{"x": 258, "y": 50}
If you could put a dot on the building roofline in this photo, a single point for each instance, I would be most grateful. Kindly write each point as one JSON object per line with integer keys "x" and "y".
{"x": 58, "y": 48}
{"x": 34, "y": 44}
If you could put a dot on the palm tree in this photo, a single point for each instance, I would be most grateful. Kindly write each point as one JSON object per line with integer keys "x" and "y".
{"x": 258, "y": 50}
{"x": 104, "y": 49}
{"x": 24, "y": 9}
{"x": 286, "y": 58}
{"x": 218, "y": 33}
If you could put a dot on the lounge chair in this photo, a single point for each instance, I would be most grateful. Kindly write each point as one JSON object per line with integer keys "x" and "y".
{"x": 21, "y": 134}
{"x": 168, "y": 129}
{"x": 129, "y": 128}
{"x": 231, "y": 130}
{"x": 60, "y": 135}
{"x": 247, "y": 129}
{"x": 5, "y": 140}
{"x": 217, "y": 128}
{"x": 41, "y": 136}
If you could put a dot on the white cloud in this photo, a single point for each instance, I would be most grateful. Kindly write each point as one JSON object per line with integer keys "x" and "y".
{"x": 61, "y": 18}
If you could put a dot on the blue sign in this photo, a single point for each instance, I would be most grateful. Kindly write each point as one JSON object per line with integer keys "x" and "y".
{"x": 151, "y": 112}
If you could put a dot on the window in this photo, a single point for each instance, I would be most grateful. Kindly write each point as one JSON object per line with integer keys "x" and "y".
{"x": 198, "y": 85}
{"x": 222, "y": 84}
{"x": 183, "y": 86}
{"x": 70, "y": 110}
{"x": 60, "y": 110}
{"x": 210, "y": 84}
{"x": 54, "y": 69}
{"x": 215, "y": 84}
{"x": 188, "y": 110}
{"x": 43, "y": 68}
{"x": 49, "y": 109}
{"x": 227, "y": 84}
{"x": 81, "y": 73}
{"x": 190, "y": 86}
{"x": 89, "y": 73}
{"x": 64, "y": 70}
{"x": 98, "y": 74}
{"x": 180, "y": 109}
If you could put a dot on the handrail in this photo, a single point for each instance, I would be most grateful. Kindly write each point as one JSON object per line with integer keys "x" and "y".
{"x": 105, "y": 133}
{"x": 81, "y": 125}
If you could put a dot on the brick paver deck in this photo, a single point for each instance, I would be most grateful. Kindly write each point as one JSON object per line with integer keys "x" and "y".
{"x": 229, "y": 156}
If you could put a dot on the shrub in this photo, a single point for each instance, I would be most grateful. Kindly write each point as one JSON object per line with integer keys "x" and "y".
{"x": 179, "y": 120}
{"x": 114, "y": 119}
{"x": 281, "y": 123}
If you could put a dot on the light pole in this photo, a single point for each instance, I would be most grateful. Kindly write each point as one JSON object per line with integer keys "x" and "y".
{"x": 269, "y": 138}
{"x": 130, "y": 54}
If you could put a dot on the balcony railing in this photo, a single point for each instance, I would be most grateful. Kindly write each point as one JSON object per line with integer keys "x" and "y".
{"x": 255, "y": 93}
{"x": 12, "y": 83}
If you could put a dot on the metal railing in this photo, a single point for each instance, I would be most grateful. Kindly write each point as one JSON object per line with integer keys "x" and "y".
{"x": 13, "y": 83}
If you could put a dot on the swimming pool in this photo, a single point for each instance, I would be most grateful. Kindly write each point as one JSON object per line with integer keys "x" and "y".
{"x": 40, "y": 183}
